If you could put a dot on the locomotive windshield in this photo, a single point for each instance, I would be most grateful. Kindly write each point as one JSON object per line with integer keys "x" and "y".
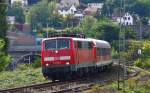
{"x": 55, "y": 44}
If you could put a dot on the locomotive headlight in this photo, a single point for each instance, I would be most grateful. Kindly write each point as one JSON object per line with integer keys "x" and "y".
{"x": 49, "y": 59}
{"x": 64, "y": 57}
{"x": 47, "y": 64}
{"x": 67, "y": 63}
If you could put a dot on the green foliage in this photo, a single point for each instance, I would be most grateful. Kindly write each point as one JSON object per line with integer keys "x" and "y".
{"x": 2, "y": 44}
{"x": 144, "y": 58}
{"x": 141, "y": 7}
{"x": 3, "y": 24}
{"x": 138, "y": 63}
{"x": 18, "y": 11}
{"x": 147, "y": 35}
{"x": 4, "y": 62}
{"x": 100, "y": 29}
{"x": 130, "y": 34}
{"x": 147, "y": 63}
{"x": 41, "y": 14}
{"x": 18, "y": 78}
{"x": 23, "y": 67}
{"x": 109, "y": 31}
{"x": 4, "y": 59}
{"x": 37, "y": 63}
{"x": 115, "y": 54}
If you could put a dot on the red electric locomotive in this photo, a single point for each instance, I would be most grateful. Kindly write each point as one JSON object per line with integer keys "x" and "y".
{"x": 64, "y": 57}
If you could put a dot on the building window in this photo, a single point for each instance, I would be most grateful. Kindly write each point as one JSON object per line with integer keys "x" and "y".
{"x": 128, "y": 18}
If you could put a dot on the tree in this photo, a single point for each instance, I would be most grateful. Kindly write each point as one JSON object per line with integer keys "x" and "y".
{"x": 41, "y": 14}
{"x": 18, "y": 11}
{"x": 4, "y": 60}
{"x": 3, "y": 23}
{"x": 130, "y": 34}
{"x": 141, "y": 7}
{"x": 108, "y": 30}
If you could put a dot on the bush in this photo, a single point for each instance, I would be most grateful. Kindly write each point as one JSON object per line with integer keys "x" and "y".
{"x": 4, "y": 62}
{"x": 23, "y": 66}
{"x": 37, "y": 63}
{"x": 138, "y": 63}
{"x": 115, "y": 54}
{"x": 147, "y": 63}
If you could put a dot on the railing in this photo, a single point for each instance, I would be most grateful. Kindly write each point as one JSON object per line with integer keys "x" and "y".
{"x": 24, "y": 48}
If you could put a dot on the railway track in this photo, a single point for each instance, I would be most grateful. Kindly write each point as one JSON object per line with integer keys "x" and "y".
{"x": 75, "y": 86}
{"x": 51, "y": 86}
{"x": 55, "y": 87}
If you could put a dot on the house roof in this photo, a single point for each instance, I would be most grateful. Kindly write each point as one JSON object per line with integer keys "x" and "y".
{"x": 90, "y": 10}
{"x": 69, "y": 2}
{"x": 64, "y": 8}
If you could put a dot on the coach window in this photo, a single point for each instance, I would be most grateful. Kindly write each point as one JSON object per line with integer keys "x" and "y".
{"x": 90, "y": 45}
{"x": 103, "y": 51}
{"x": 98, "y": 51}
{"x": 85, "y": 45}
{"x": 75, "y": 44}
{"x": 79, "y": 44}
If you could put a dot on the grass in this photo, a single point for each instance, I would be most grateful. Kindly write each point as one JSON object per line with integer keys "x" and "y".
{"x": 21, "y": 77}
{"x": 137, "y": 84}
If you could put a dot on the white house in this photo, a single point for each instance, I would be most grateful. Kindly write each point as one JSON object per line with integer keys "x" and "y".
{"x": 97, "y": 5}
{"x": 126, "y": 19}
{"x": 23, "y": 2}
{"x": 79, "y": 15}
{"x": 149, "y": 22}
{"x": 67, "y": 10}
{"x": 11, "y": 19}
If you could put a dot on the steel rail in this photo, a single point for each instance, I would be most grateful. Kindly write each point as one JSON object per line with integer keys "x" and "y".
{"x": 49, "y": 85}
{"x": 36, "y": 86}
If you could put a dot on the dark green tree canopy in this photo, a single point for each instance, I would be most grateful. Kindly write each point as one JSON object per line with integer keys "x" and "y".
{"x": 18, "y": 11}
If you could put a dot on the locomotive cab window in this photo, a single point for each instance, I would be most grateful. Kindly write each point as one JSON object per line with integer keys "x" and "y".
{"x": 50, "y": 44}
{"x": 57, "y": 44}
{"x": 63, "y": 44}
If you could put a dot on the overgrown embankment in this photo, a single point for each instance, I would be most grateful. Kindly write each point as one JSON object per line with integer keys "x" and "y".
{"x": 21, "y": 77}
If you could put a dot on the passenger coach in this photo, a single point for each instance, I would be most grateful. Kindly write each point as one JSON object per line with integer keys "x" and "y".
{"x": 65, "y": 57}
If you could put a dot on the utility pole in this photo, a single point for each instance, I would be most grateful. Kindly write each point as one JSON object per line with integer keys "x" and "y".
{"x": 47, "y": 31}
{"x": 122, "y": 73}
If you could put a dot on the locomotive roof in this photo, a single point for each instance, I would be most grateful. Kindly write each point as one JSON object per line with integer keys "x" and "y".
{"x": 98, "y": 43}
{"x": 101, "y": 43}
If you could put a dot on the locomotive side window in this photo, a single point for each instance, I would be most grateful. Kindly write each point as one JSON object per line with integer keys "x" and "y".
{"x": 79, "y": 44}
{"x": 103, "y": 51}
{"x": 75, "y": 44}
{"x": 90, "y": 45}
{"x": 98, "y": 52}
{"x": 84, "y": 45}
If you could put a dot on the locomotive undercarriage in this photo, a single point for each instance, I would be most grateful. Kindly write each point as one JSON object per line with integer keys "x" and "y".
{"x": 65, "y": 72}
